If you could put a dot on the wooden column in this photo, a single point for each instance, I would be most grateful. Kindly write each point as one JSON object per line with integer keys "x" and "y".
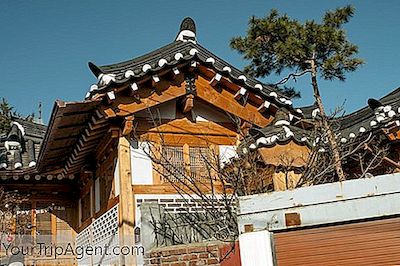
{"x": 186, "y": 158}
{"x": 33, "y": 220}
{"x": 53, "y": 218}
{"x": 126, "y": 204}
{"x": 156, "y": 149}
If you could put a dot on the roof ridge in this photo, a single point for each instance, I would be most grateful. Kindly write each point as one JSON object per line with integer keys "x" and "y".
{"x": 141, "y": 57}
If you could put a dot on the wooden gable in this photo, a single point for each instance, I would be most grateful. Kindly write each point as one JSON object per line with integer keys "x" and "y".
{"x": 219, "y": 95}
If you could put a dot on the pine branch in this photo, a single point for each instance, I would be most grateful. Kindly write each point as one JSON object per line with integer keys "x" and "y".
{"x": 292, "y": 75}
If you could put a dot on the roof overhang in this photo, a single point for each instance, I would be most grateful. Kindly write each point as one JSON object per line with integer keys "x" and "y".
{"x": 70, "y": 123}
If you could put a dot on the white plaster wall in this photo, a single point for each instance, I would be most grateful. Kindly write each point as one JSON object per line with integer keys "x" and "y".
{"x": 256, "y": 249}
{"x": 116, "y": 178}
{"x": 141, "y": 165}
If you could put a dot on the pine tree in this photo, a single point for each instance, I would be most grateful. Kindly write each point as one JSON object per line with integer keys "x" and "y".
{"x": 7, "y": 113}
{"x": 276, "y": 43}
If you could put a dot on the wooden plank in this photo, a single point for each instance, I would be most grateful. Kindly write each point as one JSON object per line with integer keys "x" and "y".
{"x": 106, "y": 142}
{"x": 186, "y": 126}
{"x": 191, "y": 140}
{"x": 224, "y": 100}
{"x": 289, "y": 153}
{"x": 124, "y": 105}
{"x": 167, "y": 188}
{"x": 232, "y": 87}
{"x": 111, "y": 203}
{"x": 85, "y": 224}
{"x": 86, "y": 189}
{"x": 41, "y": 187}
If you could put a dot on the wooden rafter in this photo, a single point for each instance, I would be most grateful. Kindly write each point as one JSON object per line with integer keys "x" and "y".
{"x": 124, "y": 106}
{"x": 224, "y": 100}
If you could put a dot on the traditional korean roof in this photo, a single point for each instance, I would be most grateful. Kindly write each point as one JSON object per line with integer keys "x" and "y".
{"x": 309, "y": 111}
{"x": 72, "y": 125}
{"x": 183, "y": 50}
{"x": 280, "y": 131}
{"x": 19, "y": 148}
{"x": 378, "y": 114}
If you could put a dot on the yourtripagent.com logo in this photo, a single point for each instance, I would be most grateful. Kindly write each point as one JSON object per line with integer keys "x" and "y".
{"x": 67, "y": 249}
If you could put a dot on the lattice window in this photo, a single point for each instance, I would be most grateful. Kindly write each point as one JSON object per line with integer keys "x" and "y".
{"x": 173, "y": 163}
{"x": 200, "y": 163}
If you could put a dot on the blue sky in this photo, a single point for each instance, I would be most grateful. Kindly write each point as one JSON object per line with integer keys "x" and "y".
{"x": 45, "y": 45}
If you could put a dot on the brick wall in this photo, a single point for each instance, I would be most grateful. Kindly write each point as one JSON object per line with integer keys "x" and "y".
{"x": 174, "y": 203}
{"x": 207, "y": 253}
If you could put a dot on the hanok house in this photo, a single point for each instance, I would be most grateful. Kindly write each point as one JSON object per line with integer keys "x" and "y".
{"x": 93, "y": 170}
{"x": 34, "y": 205}
{"x": 353, "y": 222}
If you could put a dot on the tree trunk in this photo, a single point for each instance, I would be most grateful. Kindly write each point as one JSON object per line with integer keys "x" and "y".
{"x": 325, "y": 124}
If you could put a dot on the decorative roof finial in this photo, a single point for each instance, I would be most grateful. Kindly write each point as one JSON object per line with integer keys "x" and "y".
{"x": 187, "y": 30}
{"x": 374, "y": 104}
{"x": 95, "y": 69}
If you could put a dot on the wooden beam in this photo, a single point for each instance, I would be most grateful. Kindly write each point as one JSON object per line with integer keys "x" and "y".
{"x": 192, "y": 140}
{"x": 215, "y": 79}
{"x": 104, "y": 144}
{"x": 227, "y": 84}
{"x": 240, "y": 93}
{"x": 109, "y": 113}
{"x": 225, "y": 101}
{"x": 185, "y": 126}
{"x": 175, "y": 72}
{"x": 168, "y": 188}
{"x": 187, "y": 103}
{"x": 186, "y": 158}
{"x": 154, "y": 80}
{"x": 128, "y": 125}
{"x": 134, "y": 88}
{"x": 53, "y": 218}
{"x": 124, "y": 106}
{"x": 126, "y": 206}
{"x": 264, "y": 106}
{"x": 110, "y": 96}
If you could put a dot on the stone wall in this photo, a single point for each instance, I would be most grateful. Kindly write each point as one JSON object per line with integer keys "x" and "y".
{"x": 208, "y": 253}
